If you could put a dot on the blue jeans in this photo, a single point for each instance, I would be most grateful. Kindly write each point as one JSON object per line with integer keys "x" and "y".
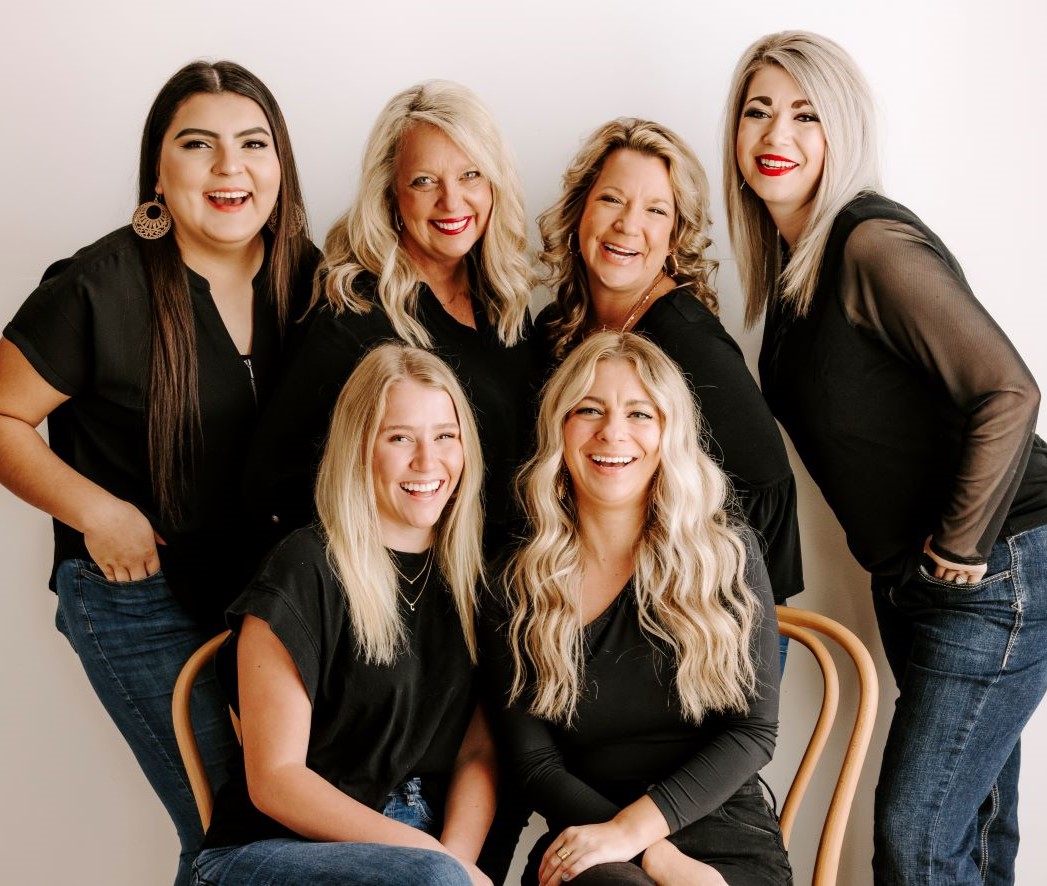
{"x": 132, "y": 639}
{"x": 971, "y": 666}
{"x": 291, "y": 861}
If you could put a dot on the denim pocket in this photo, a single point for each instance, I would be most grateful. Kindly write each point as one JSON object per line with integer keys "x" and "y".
{"x": 748, "y": 809}
{"x": 91, "y": 571}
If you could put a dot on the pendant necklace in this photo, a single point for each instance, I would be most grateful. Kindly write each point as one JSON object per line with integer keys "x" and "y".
{"x": 426, "y": 569}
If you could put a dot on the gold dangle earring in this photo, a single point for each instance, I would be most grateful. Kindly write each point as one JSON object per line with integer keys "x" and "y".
{"x": 674, "y": 269}
{"x": 151, "y": 220}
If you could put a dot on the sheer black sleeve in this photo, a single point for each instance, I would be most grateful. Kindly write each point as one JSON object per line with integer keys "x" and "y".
{"x": 901, "y": 287}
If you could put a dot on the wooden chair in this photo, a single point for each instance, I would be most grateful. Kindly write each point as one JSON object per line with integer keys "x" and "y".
{"x": 181, "y": 713}
{"x": 805, "y": 627}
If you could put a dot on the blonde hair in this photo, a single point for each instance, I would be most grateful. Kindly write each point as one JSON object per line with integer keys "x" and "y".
{"x": 365, "y": 240}
{"x": 345, "y": 502}
{"x": 841, "y": 98}
{"x": 689, "y": 576}
{"x": 566, "y": 273}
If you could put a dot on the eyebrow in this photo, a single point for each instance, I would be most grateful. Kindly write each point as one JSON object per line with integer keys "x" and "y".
{"x": 449, "y": 425}
{"x": 602, "y": 402}
{"x": 209, "y": 133}
{"x": 618, "y": 190}
{"x": 765, "y": 100}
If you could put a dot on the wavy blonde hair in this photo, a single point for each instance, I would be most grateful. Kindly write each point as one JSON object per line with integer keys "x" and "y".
{"x": 365, "y": 240}
{"x": 689, "y": 575}
{"x": 565, "y": 270}
{"x": 840, "y": 96}
{"x": 346, "y": 504}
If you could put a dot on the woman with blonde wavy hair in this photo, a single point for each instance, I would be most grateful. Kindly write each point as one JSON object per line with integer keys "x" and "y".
{"x": 365, "y": 756}
{"x": 625, "y": 247}
{"x": 431, "y": 252}
{"x": 916, "y": 417}
{"x": 637, "y": 655}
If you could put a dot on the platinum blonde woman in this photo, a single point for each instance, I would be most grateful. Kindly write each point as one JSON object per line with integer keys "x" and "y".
{"x": 626, "y": 249}
{"x": 638, "y": 655}
{"x": 927, "y": 456}
{"x": 366, "y": 759}
{"x": 432, "y": 252}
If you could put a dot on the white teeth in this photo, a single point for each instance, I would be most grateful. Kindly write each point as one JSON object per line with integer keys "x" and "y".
{"x": 776, "y": 164}
{"x": 612, "y": 459}
{"x": 431, "y": 486}
{"x": 618, "y": 250}
{"x": 228, "y": 195}
{"x": 452, "y": 226}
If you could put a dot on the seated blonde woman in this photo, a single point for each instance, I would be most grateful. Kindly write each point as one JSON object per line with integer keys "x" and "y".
{"x": 365, "y": 758}
{"x": 637, "y": 658}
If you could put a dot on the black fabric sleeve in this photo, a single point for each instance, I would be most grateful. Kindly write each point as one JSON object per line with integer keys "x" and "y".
{"x": 745, "y": 741}
{"x": 897, "y": 285}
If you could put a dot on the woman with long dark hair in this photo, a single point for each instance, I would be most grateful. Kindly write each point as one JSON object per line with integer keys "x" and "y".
{"x": 150, "y": 354}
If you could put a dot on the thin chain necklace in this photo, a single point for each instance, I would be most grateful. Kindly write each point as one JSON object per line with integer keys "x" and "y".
{"x": 427, "y": 568}
{"x": 634, "y": 313}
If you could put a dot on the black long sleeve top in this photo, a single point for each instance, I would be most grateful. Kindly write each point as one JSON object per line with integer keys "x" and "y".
{"x": 907, "y": 403}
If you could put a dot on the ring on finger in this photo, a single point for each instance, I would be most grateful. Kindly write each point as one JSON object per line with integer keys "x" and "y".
{"x": 564, "y": 853}
{"x": 960, "y": 580}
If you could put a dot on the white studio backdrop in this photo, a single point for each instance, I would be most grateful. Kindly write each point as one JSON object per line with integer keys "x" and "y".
{"x": 961, "y": 89}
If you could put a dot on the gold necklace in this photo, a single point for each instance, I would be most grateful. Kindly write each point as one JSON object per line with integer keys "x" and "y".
{"x": 643, "y": 299}
{"x": 427, "y": 567}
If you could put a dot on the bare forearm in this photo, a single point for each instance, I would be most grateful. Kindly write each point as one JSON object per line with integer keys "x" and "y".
{"x": 470, "y": 808}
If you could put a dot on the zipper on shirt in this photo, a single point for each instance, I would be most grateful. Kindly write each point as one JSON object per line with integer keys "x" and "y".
{"x": 250, "y": 376}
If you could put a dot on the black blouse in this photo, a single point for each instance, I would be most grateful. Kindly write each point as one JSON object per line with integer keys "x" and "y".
{"x": 373, "y": 726}
{"x": 499, "y": 381}
{"x": 86, "y": 331}
{"x": 908, "y": 405}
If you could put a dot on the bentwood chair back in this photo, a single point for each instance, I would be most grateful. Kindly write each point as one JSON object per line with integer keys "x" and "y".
{"x": 812, "y": 629}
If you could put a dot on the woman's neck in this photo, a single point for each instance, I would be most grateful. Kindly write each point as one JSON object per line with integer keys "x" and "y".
{"x": 608, "y": 541}
{"x": 223, "y": 267}
{"x": 622, "y": 311}
{"x": 450, "y": 284}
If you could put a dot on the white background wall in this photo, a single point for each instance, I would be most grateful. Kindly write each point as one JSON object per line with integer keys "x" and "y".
{"x": 962, "y": 86}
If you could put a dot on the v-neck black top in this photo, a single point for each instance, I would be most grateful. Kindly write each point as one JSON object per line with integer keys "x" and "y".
{"x": 499, "y": 381}
{"x": 86, "y": 331}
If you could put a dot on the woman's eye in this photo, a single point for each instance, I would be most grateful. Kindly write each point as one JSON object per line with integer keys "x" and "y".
{"x": 640, "y": 414}
{"x": 194, "y": 143}
{"x": 607, "y": 198}
{"x": 399, "y": 438}
{"x": 256, "y": 144}
{"x": 587, "y": 410}
{"x": 808, "y": 118}
{"x": 447, "y": 435}
{"x": 423, "y": 181}
{"x": 471, "y": 175}
{"x": 657, "y": 210}
{"x": 755, "y": 113}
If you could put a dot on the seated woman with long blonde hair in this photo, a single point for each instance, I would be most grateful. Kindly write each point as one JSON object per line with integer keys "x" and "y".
{"x": 366, "y": 760}
{"x": 638, "y": 656}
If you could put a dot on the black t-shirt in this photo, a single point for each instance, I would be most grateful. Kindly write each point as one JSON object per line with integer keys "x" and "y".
{"x": 86, "y": 331}
{"x": 907, "y": 403}
{"x": 373, "y": 726}
{"x": 630, "y": 737}
{"x": 499, "y": 381}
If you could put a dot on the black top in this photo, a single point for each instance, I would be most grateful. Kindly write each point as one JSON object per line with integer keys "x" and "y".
{"x": 86, "y": 331}
{"x": 630, "y": 737}
{"x": 742, "y": 435}
{"x": 498, "y": 380}
{"x": 373, "y": 726}
{"x": 908, "y": 405}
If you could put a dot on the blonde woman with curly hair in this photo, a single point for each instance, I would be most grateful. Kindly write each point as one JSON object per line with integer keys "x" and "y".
{"x": 431, "y": 252}
{"x": 637, "y": 653}
{"x": 625, "y": 247}
{"x": 365, "y": 757}
{"x": 916, "y": 417}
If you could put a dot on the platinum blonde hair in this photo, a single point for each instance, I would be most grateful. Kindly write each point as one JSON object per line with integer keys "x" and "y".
{"x": 841, "y": 98}
{"x": 346, "y": 503}
{"x": 365, "y": 238}
{"x": 566, "y": 272}
{"x": 689, "y": 576}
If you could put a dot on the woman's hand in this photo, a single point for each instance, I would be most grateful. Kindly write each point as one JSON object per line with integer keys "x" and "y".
{"x": 958, "y": 573}
{"x": 668, "y": 866}
{"x": 579, "y": 848}
{"x": 122, "y": 542}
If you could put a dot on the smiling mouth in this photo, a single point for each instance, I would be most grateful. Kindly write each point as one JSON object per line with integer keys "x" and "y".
{"x": 612, "y": 461}
{"x": 619, "y": 251}
{"x": 228, "y": 199}
{"x": 428, "y": 488}
{"x": 451, "y": 226}
{"x": 770, "y": 164}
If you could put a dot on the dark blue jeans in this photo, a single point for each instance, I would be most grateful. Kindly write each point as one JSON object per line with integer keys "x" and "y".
{"x": 971, "y": 666}
{"x": 132, "y": 639}
{"x": 291, "y": 861}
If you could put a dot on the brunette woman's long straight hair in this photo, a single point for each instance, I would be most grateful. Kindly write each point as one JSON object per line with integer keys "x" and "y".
{"x": 173, "y": 407}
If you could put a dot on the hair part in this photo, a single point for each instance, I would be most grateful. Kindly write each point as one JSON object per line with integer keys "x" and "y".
{"x": 173, "y": 399}
{"x": 839, "y": 94}
{"x": 365, "y": 239}
{"x": 348, "y": 511}
{"x": 689, "y": 575}
{"x": 566, "y": 272}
